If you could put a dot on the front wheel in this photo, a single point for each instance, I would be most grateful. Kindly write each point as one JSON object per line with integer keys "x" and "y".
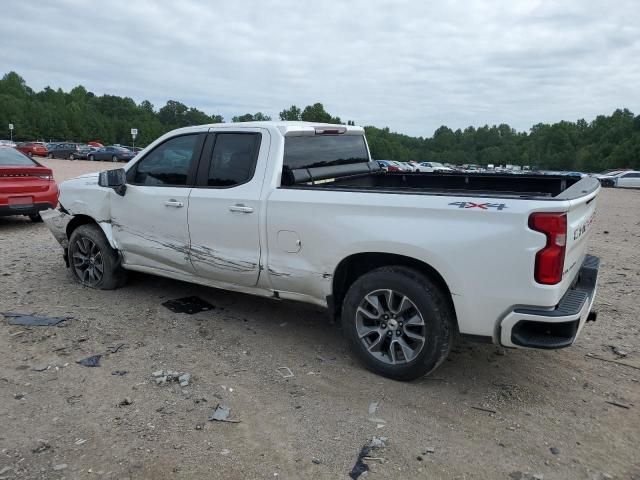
{"x": 72, "y": 156}
{"x": 93, "y": 262}
{"x": 91, "y": 158}
{"x": 114, "y": 159}
{"x": 398, "y": 322}
{"x": 35, "y": 217}
{"x": 50, "y": 155}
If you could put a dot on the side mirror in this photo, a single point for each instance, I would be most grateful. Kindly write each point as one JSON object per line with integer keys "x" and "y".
{"x": 115, "y": 179}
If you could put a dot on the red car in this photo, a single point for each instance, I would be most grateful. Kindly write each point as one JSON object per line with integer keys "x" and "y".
{"x": 33, "y": 148}
{"x": 26, "y": 187}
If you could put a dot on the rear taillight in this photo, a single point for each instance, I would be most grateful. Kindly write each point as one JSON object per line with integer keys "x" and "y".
{"x": 45, "y": 177}
{"x": 550, "y": 260}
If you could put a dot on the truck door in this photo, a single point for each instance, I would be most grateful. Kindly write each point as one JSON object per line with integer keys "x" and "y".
{"x": 225, "y": 207}
{"x": 150, "y": 220}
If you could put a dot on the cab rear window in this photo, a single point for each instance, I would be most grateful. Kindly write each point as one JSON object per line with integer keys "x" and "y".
{"x": 324, "y": 151}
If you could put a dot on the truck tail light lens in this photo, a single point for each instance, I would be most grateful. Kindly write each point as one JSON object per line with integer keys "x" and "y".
{"x": 550, "y": 260}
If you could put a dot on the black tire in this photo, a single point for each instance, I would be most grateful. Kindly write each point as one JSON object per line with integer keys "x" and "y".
{"x": 35, "y": 217}
{"x": 112, "y": 275}
{"x": 72, "y": 156}
{"x": 91, "y": 158}
{"x": 50, "y": 155}
{"x": 114, "y": 159}
{"x": 433, "y": 306}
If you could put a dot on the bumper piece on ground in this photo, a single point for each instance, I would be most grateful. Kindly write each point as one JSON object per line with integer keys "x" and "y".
{"x": 533, "y": 327}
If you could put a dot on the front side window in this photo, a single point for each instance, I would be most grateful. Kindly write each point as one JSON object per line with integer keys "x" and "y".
{"x": 234, "y": 159}
{"x": 169, "y": 163}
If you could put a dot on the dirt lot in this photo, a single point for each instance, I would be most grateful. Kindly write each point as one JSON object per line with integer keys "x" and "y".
{"x": 67, "y": 421}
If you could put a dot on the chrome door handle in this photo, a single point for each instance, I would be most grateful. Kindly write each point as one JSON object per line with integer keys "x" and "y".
{"x": 173, "y": 203}
{"x": 240, "y": 208}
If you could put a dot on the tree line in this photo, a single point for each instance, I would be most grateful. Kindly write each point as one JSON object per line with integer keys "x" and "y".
{"x": 608, "y": 141}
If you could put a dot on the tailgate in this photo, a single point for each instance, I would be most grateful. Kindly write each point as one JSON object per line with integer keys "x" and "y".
{"x": 580, "y": 219}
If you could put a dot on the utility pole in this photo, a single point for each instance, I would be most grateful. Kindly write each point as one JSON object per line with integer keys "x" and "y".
{"x": 134, "y": 134}
{"x": 11, "y": 131}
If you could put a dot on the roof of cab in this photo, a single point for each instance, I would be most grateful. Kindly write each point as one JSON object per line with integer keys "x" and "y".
{"x": 285, "y": 127}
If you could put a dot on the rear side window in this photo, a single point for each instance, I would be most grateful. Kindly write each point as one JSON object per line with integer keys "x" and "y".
{"x": 10, "y": 156}
{"x": 324, "y": 151}
{"x": 168, "y": 164}
{"x": 233, "y": 161}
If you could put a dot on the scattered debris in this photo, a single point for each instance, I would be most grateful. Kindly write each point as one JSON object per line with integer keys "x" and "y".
{"x": 164, "y": 376}
{"x": 5, "y": 470}
{"x": 221, "y": 414}
{"x": 188, "y": 305}
{"x": 526, "y": 476}
{"x": 119, "y": 373}
{"x": 360, "y": 466}
{"x": 373, "y": 407}
{"x": 316, "y": 461}
{"x": 199, "y": 426}
{"x": 482, "y": 409}
{"x": 93, "y": 361}
{"x": 19, "y": 396}
{"x": 126, "y": 401}
{"x": 554, "y": 451}
{"x": 41, "y": 368}
{"x": 429, "y": 450}
{"x": 79, "y": 441}
{"x": 116, "y": 347}
{"x": 621, "y": 405}
{"x": 184, "y": 379}
{"x": 590, "y": 355}
{"x": 225, "y": 451}
{"x": 42, "y": 446}
{"x": 73, "y": 399}
{"x": 285, "y": 372}
{"x": 59, "y": 467}
{"x": 27, "y": 320}
{"x": 618, "y": 351}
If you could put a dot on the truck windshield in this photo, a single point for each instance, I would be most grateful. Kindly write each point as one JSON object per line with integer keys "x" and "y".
{"x": 324, "y": 151}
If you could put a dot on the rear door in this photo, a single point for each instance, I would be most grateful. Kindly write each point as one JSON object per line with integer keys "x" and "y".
{"x": 225, "y": 206}
{"x": 150, "y": 221}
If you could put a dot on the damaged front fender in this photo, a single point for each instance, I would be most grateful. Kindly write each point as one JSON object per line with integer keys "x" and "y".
{"x": 57, "y": 222}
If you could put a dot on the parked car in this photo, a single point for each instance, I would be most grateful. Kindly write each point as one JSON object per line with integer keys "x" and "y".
{"x": 7, "y": 143}
{"x": 406, "y": 261}
{"x": 26, "y": 187}
{"x": 113, "y": 153}
{"x": 434, "y": 167}
{"x": 33, "y": 148}
{"x": 623, "y": 179}
{"x": 388, "y": 166}
{"x": 403, "y": 167}
{"x": 72, "y": 151}
{"x": 95, "y": 144}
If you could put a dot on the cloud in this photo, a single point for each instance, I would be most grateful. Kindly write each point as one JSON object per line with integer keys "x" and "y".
{"x": 412, "y": 66}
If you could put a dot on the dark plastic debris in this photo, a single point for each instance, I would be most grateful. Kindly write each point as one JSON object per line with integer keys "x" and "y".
{"x": 360, "y": 467}
{"x": 188, "y": 305}
{"x": 93, "y": 361}
{"x": 119, "y": 373}
{"x": 32, "y": 320}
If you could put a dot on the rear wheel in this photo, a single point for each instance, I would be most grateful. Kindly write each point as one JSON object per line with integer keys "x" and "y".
{"x": 114, "y": 159}
{"x": 398, "y": 322}
{"x": 91, "y": 158}
{"x": 50, "y": 155}
{"x": 93, "y": 262}
{"x": 35, "y": 217}
{"x": 72, "y": 156}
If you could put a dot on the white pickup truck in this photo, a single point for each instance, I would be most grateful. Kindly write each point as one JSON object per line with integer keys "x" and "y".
{"x": 296, "y": 210}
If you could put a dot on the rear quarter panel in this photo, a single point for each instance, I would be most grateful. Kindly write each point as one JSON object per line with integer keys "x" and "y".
{"x": 486, "y": 256}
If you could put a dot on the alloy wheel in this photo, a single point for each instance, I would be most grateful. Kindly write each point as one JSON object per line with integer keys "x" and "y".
{"x": 390, "y": 327}
{"x": 87, "y": 261}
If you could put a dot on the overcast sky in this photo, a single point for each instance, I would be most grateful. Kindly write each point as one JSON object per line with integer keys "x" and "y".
{"x": 409, "y": 65}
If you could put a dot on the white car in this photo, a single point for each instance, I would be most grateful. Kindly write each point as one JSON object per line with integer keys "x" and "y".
{"x": 8, "y": 143}
{"x": 296, "y": 210}
{"x": 621, "y": 179}
{"x": 433, "y": 167}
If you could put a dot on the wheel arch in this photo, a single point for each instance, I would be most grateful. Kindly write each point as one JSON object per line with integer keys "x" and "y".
{"x": 354, "y": 266}
{"x": 80, "y": 219}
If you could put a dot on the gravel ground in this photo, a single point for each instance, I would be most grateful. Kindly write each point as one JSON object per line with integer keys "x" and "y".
{"x": 554, "y": 414}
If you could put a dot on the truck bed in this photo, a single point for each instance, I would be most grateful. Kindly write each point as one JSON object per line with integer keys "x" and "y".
{"x": 471, "y": 184}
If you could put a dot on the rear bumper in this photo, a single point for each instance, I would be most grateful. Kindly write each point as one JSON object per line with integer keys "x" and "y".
{"x": 538, "y": 327}
{"x": 27, "y": 209}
